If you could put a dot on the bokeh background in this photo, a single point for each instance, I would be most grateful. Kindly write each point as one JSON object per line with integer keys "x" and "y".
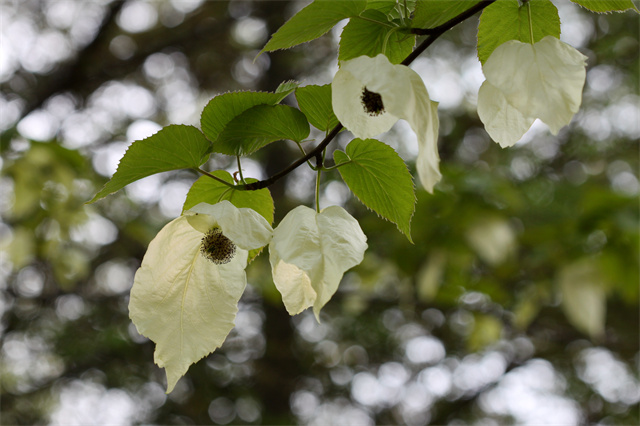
{"x": 518, "y": 302}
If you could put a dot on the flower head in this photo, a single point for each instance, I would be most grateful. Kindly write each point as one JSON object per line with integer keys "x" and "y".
{"x": 528, "y": 81}
{"x": 310, "y": 252}
{"x": 370, "y": 95}
{"x": 185, "y": 294}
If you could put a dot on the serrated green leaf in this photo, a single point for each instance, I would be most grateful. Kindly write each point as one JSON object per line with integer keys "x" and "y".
{"x": 315, "y": 103}
{"x": 379, "y": 178}
{"x": 430, "y": 14}
{"x": 224, "y": 108}
{"x": 259, "y": 126}
{"x": 364, "y": 37}
{"x": 312, "y": 22}
{"x": 506, "y": 20}
{"x": 287, "y": 86}
{"x": 173, "y": 147}
{"x": 604, "y": 6}
{"x": 207, "y": 190}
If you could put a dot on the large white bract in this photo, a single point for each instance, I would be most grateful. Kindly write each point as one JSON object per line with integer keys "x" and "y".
{"x": 310, "y": 252}
{"x": 527, "y": 81}
{"x": 181, "y": 300}
{"x": 403, "y": 95}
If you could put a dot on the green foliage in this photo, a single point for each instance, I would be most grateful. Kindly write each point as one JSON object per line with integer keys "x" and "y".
{"x": 312, "y": 22}
{"x": 376, "y": 174}
{"x": 287, "y": 87}
{"x": 207, "y": 190}
{"x": 224, "y": 108}
{"x": 364, "y": 37}
{"x": 430, "y": 14}
{"x": 315, "y": 102}
{"x": 603, "y": 6}
{"x": 174, "y": 147}
{"x": 384, "y": 6}
{"x": 259, "y": 126}
{"x": 506, "y": 20}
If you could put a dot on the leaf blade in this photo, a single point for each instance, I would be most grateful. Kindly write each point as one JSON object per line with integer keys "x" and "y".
{"x": 380, "y": 179}
{"x": 315, "y": 102}
{"x": 223, "y": 108}
{"x": 173, "y": 147}
{"x": 259, "y": 126}
{"x": 364, "y": 37}
{"x": 312, "y": 22}
{"x": 605, "y": 6}
{"x": 430, "y": 14}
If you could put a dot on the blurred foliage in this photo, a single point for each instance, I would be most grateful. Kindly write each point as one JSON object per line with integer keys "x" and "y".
{"x": 469, "y": 324}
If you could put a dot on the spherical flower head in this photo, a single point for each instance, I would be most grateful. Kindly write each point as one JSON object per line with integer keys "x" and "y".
{"x": 369, "y": 95}
{"x": 185, "y": 294}
{"x": 527, "y": 81}
{"x": 217, "y": 248}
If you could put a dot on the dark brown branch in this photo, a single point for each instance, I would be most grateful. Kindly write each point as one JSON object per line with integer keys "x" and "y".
{"x": 432, "y": 35}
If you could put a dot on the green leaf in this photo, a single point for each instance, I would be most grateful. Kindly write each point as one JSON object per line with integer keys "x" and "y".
{"x": 223, "y": 108}
{"x": 287, "y": 86}
{"x": 384, "y": 6}
{"x": 603, "y": 6}
{"x": 430, "y": 14}
{"x": 312, "y": 22}
{"x": 174, "y": 147}
{"x": 259, "y": 126}
{"x": 363, "y": 37}
{"x": 207, "y": 190}
{"x": 506, "y": 20}
{"x": 315, "y": 103}
{"x": 379, "y": 178}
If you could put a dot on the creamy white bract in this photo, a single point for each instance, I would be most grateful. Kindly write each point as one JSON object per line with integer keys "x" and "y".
{"x": 182, "y": 301}
{"x": 527, "y": 81}
{"x": 310, "y": 252}
{"x": 404, "y": 96}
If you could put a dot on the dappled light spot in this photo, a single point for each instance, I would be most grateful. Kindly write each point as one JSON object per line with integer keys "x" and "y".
{"x": 425, "y": 350}
{"x": 138, "y": 16}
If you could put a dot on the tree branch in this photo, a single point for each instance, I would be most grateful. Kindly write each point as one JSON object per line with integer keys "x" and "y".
{"x": 432, "y": 35}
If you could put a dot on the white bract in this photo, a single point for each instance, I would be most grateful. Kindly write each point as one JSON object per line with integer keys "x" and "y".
{"x": 310, "y": 252}
{"x": 182, "y": 300}
{"x": 527, "y": 81}
{"x": 369, "y": 95}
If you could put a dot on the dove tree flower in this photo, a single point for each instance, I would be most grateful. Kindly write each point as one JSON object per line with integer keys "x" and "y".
{"x": 527, "y": 81}
{"x": 185, "y": 294}
{"x": 369, "y": 95}
{"x": 310, "y": 252}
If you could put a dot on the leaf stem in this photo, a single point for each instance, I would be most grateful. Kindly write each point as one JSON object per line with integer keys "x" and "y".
{"x": 240, "y": 170}
{"x": 304, "y": 153}
{"x": 206, "y": 173}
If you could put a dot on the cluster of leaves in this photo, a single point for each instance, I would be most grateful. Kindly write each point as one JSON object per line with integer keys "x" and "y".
{"x": 241, "y": 123}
